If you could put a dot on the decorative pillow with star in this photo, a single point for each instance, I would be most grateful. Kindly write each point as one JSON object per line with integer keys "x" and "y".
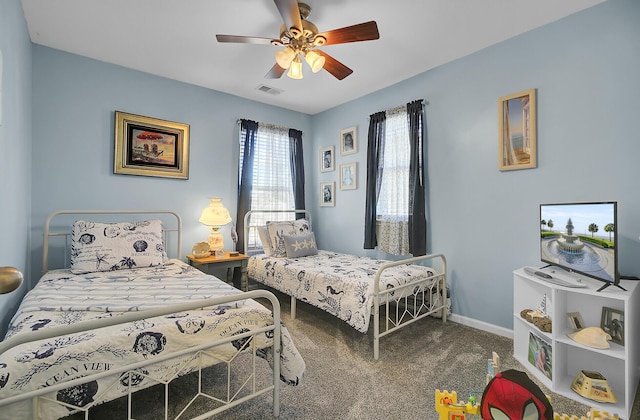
{"x": 116, "y": 246}
{"x": 278, "y": 230}
{"x": 300, "y": 245}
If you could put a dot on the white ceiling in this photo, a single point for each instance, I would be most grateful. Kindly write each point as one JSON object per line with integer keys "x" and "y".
{"x": 176, "y": 39}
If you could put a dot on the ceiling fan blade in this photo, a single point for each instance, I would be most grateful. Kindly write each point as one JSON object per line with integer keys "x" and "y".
{"x": 361, "y": 32}
{"x": 275, "y": 73}
{"x": 290, "y": 13}
{"x": 333, "y": 66}
{"x": 245, "y": 39}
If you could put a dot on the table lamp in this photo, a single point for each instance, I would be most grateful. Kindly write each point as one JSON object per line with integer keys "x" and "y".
{"x": 214, "y": 216}
{"x": 10, "y": 279}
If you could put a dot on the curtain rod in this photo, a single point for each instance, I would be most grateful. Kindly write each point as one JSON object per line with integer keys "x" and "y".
{"x": 399, "y": 107}
{"x": 271, "y": 126}
{"x": 280, "y": 127}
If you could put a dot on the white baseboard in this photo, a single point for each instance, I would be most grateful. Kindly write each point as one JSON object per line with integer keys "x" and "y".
{"x": 480, "y": 325}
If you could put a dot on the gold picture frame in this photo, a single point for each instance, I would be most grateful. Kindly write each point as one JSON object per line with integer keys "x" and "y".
{"x": 517, "y": 142}
{"x": 348, "y": 141}
{"x": 148, "y": 146}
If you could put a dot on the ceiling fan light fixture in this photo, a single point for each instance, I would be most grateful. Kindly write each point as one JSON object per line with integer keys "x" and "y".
{"x": 295, "y": 70}
{"x": 315, "y": 61}
{"x": 295, "y": 32}
{"x": 319, "y": 41}
{"x": 285, "y": 57}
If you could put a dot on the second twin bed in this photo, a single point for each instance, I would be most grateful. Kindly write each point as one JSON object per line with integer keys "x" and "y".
{"x": 354, "y": 289}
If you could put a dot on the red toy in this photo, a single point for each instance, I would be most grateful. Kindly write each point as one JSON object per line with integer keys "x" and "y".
{"x": 512, "y": 395}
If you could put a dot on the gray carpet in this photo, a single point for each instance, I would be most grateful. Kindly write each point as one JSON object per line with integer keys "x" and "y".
{"x": 343, "y": 382}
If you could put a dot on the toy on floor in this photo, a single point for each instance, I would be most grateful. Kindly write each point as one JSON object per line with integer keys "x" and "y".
{"x": 448, "y": 407}
{"x": 510, "y": 394}
{"x": 513, "y": 395}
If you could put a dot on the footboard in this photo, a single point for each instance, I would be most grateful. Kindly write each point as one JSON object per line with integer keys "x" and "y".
{"x": 409, "y": 302}
{"x": 37, "y": 403}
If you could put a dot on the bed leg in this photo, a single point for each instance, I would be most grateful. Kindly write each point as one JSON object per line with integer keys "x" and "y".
{"x": 376, "y": 331}
{"x": 293, "y": 307}
{"x": 444, "y": 300}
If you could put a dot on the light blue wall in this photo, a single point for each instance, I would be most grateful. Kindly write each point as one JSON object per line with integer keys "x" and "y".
{"x": 584, "y": 67}
{"x": 15, "y": 149}
{"x": 586, "y": 71}
{"x": 74, "y": 103}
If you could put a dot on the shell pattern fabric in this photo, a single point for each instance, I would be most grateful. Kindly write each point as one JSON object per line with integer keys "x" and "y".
{"x": 340, "y": 284}
{"x": 64, "y": 298}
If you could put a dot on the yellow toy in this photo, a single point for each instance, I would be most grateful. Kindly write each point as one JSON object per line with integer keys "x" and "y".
{"x": 448, "y": 407}
{"x": 592, "y": 414}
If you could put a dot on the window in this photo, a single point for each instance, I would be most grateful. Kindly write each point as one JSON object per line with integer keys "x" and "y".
{"x": 272, "y": 187}
{"x": 395, "y": 219}
{"x": 269, "y": 184}
{"x": 393, "y": 201}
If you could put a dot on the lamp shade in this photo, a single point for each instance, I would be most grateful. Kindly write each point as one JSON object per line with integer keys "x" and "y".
{"x": 284, "y": 57}
{"x": 295, "y": 70}
{"x": 10, "y": 279}
{"x": 215, "y": 214}
{"x": 315, "y": 61}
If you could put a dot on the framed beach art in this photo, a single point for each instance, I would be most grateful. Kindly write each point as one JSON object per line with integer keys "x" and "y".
{"x": 151, "y": 147}
{"x": 348, "y": 141}
{"x": 517, "y": 143}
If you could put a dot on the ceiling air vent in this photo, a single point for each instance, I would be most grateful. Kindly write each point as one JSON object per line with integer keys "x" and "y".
{"x": 269, "y": 90}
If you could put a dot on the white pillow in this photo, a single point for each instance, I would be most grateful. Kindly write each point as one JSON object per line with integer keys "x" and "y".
{"x": 277, "y": 230}
{"x": 264, "y": 239}
{"x": 116, "y": 246}
{"x": 300, "y": 245}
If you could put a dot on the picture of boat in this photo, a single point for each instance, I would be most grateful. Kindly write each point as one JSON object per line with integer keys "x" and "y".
{"x": 147, "y": 154}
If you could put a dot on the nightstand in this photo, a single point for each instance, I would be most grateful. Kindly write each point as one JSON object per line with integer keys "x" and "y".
{"x": 227, "y": 261}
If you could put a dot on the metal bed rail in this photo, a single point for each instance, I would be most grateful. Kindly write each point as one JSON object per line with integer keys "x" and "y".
{"x": 412, "y": 301}
{"x": 39, "y": 395}
{"x": 48, "y": 233}
{"x": 416, "y": 291}
{"x": 249, "y": 226}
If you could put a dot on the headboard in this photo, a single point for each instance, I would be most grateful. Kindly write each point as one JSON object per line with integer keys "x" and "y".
{"x": 255, "y": 218}
{"x": 59, "y": 223}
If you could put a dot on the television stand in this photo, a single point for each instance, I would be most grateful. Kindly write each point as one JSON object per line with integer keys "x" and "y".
{"x": 610, "y": 284}
{"x": 618, "y": 363}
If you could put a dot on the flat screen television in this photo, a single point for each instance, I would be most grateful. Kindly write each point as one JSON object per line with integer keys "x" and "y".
{"x": 581, "y": 238}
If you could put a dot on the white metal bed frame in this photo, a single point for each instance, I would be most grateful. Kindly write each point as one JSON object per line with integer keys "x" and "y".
{"x": 233, "y": 396}
{"x": 412, "y": 303}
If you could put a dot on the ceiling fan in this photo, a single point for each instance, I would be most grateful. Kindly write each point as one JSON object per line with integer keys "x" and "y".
{"x": 300, "y": 39}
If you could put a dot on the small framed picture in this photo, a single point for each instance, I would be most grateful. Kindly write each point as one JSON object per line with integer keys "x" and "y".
{"x": 612, "y": 322}
{"x": 575, "y": 319}
{"x": 348, "y": 141}
{"x": 328, "y": 194}
{"x": 327, "y": 159}
{"x": 348, "y": 176}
